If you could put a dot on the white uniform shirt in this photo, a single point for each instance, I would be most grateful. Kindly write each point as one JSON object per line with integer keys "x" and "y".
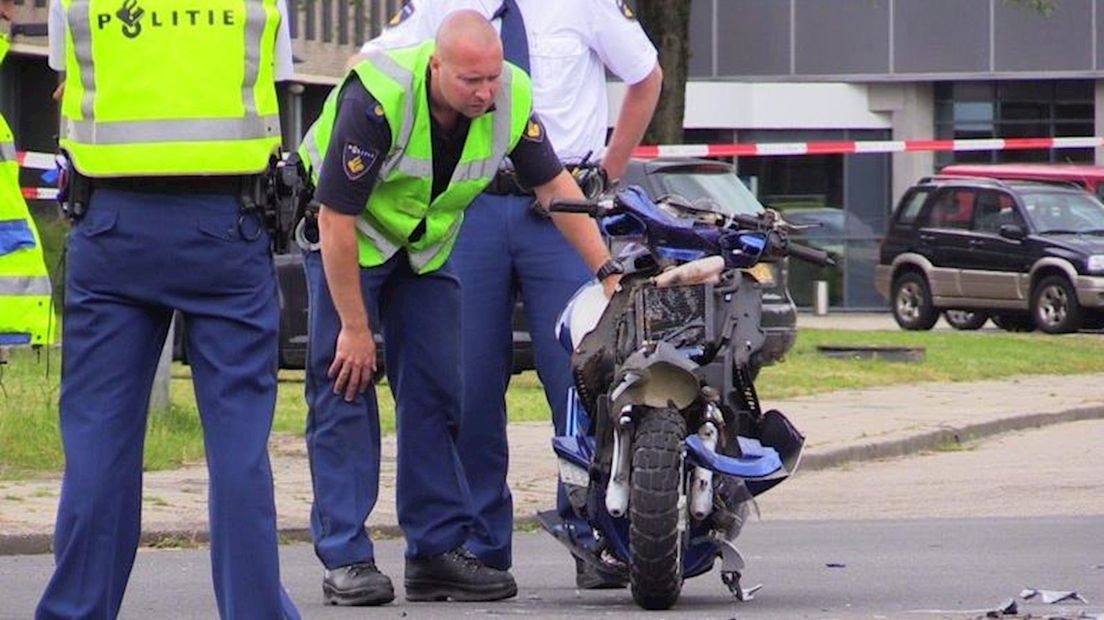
{"x": 56, "y": 30}
{"x": 571, "y": 43}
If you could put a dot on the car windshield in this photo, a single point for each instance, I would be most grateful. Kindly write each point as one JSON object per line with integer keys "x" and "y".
{"x": 713, "y": 189}
{"x": 1064, "y": 212}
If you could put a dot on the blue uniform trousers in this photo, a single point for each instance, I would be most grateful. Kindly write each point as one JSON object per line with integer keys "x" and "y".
{"x": 131, "y": 260}
{"x": 505, "y": 250}
{"x": 420, "y": 316}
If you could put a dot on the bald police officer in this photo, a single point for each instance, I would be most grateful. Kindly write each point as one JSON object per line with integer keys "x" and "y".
{"x": 409, "y": 140}
{"x": 567, "y": 45}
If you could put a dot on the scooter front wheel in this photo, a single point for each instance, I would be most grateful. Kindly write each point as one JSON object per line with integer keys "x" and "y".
{"x": 656, "y": 483}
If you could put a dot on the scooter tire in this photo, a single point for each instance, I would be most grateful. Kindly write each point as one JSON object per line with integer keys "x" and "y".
{"x": 655, "y": 542}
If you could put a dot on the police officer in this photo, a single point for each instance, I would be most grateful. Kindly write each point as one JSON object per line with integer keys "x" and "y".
{"x": 169, "y": 115}
{"x": 26, "y": 314}
{"x": 570, "y": 44}
{"x": 409, "y": 140}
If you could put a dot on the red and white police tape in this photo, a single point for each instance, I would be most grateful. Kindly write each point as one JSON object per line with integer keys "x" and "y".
{"x": 862, "y": 146}
{"x": 37, "y": 161}
{"x": 45, "y": 161}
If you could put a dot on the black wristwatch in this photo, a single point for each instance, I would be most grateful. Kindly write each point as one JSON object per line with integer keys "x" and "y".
{"x": 609, "y": 268}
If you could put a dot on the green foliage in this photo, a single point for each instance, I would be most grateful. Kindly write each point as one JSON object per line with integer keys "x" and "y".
{"x": 950, "y": 356}
{"x": 29, "y": 433}
{"x": 29, "y": 442}
{"x": 52, "y": 230}
{"x": 1044, "y": 7}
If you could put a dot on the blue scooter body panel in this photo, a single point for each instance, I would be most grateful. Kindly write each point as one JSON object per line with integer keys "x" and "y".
{"x": 758, "y": 461}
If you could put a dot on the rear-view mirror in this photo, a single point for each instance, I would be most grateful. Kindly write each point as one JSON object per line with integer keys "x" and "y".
{"x": 1012, "y": 231}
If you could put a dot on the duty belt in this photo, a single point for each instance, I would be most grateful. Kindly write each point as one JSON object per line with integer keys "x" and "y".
{"x": 590, "y": 177}
{"x": 506, "y": 183}
{"x": 188, "y": 185}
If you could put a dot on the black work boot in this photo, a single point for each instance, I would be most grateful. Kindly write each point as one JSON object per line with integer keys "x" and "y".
{"x": 457, "y": 575}
{"x": 590, "y": 577}
{"x": 357, "y": 584}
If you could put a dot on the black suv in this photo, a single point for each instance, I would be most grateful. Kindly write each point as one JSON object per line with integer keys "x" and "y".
{"x": 1025, "y": 254}
{"x": 709, "y": 184}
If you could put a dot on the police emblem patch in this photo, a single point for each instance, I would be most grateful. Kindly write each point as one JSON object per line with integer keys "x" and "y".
{"x": 357, "y": 160}
{"x": 625, "y": 9}
{"x": 402, "y": 15}
{"x": 534, "y": 131}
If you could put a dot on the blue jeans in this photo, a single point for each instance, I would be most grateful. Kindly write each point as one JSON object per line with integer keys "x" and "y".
{"x": 132, "y": 259}
{"x": 505, "y": 250}
{"x": 420, "y": 317}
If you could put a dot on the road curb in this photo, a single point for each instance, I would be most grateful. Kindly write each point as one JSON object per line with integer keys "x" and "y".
{"x": 32, "y": 544}
{"x": 942, "y": 437}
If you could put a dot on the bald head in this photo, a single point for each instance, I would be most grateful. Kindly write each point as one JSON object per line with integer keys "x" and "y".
{"x": 467, "y": 65}
{"x": 466, "y": 33}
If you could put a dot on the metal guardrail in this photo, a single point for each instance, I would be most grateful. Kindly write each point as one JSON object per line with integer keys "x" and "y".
{"x": 344, "y": 22}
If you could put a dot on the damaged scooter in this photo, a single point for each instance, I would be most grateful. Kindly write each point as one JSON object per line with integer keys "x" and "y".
{"x": 666, "y": 445}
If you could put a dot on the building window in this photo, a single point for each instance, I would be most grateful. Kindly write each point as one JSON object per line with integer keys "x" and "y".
{"x": 1014, "y": 109}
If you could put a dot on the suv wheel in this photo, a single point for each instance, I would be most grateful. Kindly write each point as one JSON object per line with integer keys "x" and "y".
{"x": 965, "y": 319}
{"x": 912, "y": 303}
{"x": 1054, "y": 306}
{"x": 1014, "y": 322}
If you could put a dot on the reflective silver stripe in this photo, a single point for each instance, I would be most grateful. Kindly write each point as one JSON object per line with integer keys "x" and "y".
{"x": 80, "y": 27}
{"x": 7, "y": 152}
{"x": 387, "y": 66}
{"x": 310, "y": 145}
{"x": 405, "y": 78}
{"x": 504, "y": 117}
{"x": 413, "y": 167}
{"x": 385, "y": 247}
{"x": 251, "y": 127}
{"x": 418, "y": 260}
{"x": 173, "y": 130}
{"x": 24, "y": 285}
{"x": 255, "y": 19}
{"x": 477, "y": 169}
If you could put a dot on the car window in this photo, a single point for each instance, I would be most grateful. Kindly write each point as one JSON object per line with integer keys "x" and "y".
{"x": 719, "y": 190}
{"x": 952, "y": 208}
{"x": 1064, "y": 211}
{"x": 995, "y": 209}
{"x": 911, "y": 205}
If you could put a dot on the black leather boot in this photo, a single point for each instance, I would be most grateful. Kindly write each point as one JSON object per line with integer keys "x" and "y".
{"x": 357, "y": 584}
{"x": 456, "y": 575}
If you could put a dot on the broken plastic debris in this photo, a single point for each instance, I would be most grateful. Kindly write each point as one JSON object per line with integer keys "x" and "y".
{"x": 1052, "y": 596}
{"x": 1007, "y": 608}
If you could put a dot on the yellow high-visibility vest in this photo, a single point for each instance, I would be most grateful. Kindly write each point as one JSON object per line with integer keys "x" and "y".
{"x": 401, "y": 200}
{"x": 170, "y": 88}
{"x": 26, "y": 311}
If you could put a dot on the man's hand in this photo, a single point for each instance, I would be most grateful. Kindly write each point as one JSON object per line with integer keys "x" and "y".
{"x": 580, "y": 230}
{"x": 354, "y": 363}
{"x": 354, "y": 360}
{"x": 611, "y": 285}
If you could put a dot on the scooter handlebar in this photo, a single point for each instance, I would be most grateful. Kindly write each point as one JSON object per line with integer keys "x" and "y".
{"x": 586, "y": 207}
{"x": 810, "y": 254}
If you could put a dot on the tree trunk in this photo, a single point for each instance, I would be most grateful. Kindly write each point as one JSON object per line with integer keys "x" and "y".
{"x": 667, "y": 23}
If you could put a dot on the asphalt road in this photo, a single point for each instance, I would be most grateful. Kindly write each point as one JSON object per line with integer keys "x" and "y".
{"x": 942, "y": 535}
{"x": 892, "y": 569}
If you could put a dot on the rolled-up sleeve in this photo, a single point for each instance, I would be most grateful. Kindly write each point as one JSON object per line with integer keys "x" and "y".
{"x": 620, "y": 41}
